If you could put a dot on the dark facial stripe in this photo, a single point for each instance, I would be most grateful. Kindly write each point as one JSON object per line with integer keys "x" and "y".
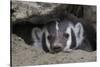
{"x": 73, "y": 45}
{"x": 44, "y": 46}
{"x": 51, "y": 28}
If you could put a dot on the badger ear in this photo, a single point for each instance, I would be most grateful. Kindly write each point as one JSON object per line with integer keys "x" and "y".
{"x": 36, "y": 34}
{"x": 79, "y": 29}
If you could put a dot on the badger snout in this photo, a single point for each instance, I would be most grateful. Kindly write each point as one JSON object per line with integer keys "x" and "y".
{"x": 57, "y": 47}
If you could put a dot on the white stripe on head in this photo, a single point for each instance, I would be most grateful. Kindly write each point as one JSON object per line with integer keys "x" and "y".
{"x": 57, "y": 27}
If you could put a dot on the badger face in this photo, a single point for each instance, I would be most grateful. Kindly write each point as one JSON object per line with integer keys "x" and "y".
{"x": 56, "y": 40}
{"x": 62, "y": 36}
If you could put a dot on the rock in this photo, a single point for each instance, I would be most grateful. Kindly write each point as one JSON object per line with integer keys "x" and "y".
{"x": 25, "y": 9}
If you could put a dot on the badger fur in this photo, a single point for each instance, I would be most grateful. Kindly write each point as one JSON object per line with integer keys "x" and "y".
{"x": 65, "y": 35}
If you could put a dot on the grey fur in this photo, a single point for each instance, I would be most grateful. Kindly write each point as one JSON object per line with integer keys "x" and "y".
{"x": 55, "y": 41}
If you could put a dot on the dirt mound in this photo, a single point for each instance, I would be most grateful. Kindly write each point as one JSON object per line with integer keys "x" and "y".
{"x": 23, "y": 54}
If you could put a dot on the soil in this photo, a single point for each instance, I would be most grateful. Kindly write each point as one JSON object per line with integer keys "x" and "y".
{"x": 26, "y": 55}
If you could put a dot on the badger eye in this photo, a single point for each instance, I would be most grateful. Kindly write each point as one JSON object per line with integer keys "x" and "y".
{"x": 66, "y": 35}
{"x": 49, "y": 37}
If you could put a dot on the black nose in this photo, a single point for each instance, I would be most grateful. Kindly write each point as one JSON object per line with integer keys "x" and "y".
{"x": 56, "y": 48}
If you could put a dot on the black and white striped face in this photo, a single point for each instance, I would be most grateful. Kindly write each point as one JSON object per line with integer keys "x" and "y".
{"x": 63, "y": 36}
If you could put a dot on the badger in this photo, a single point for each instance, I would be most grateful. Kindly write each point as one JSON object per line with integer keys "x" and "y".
{"x": 64, "y": 36}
